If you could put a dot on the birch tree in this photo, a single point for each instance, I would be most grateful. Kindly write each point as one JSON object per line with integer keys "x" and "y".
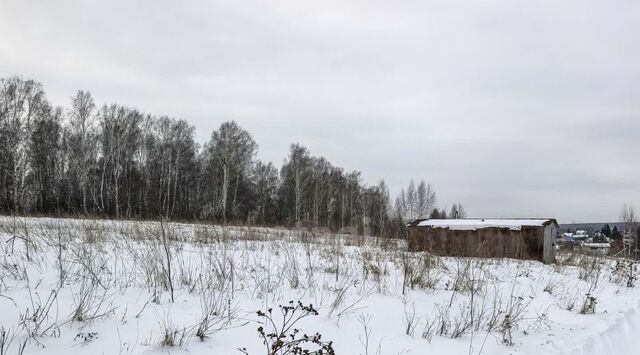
{"x": 21, "y": 102}
{"x": 232, "y": 151}
{"x": 457, "y": 211}
{"x": 425, "y": 200}
{"x": 120, "y": 138}
{"x": 266, "y": 180}
{"x": 119, "y": 162}
{"x": 295, "y": 175}
{"x": 82, "y": 143}
{"x": 44, "y": 157}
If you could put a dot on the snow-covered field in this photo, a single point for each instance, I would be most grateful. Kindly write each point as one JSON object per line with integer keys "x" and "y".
{"x": 111, "y": 287}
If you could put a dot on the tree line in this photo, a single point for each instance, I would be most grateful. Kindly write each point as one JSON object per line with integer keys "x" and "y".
{"x": 115, "y": 161}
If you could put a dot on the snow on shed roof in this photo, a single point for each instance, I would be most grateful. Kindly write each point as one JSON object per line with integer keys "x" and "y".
{"x": 472, "y": 224}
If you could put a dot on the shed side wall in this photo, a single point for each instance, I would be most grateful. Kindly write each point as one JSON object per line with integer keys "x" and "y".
{"x": 550, "y": 232}
{"x": 528, "y": 243}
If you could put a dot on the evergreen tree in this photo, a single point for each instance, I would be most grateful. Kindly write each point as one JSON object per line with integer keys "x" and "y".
{"x": 438, "y": 214}
{"x": 615, "y": 234}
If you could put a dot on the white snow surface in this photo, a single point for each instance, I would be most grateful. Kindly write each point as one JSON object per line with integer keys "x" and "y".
{"x": 473, "y": 224}
{"x": 412, "y": 303}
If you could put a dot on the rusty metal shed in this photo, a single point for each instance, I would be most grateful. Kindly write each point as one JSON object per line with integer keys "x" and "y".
{"x": 520, "y": 238}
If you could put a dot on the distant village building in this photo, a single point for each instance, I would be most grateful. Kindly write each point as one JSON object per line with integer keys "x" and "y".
{"x": 581, "y": 241}
{"x": 581, "y": 235}
{"x": 595, "y": 248}
{"x": 532, "y": 239}
{"x": 567, "y": 236}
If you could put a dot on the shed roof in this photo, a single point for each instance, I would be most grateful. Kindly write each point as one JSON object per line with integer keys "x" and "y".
{"x": 480, "y": 223}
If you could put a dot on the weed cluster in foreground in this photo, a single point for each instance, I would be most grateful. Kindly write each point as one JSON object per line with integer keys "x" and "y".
{"x": 282, "y": 337}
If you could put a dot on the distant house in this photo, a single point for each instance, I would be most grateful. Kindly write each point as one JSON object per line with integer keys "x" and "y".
{"x": 596, "y": 248}
{"x": 581, "y": 235}
{"x": 567, "y": 236}
{"x": 512, "y": 238}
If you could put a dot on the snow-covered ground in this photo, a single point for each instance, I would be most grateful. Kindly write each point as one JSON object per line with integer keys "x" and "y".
{"x": 104, "y": 287}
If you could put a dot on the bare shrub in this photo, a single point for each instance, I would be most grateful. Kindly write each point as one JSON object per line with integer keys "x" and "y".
{"x": 164, "y": 240}
{"x": 410, "y": 319}
{"x": 174, "y": 335}
{"x": 429, "y": 329}
{"x": 589, "y": 305}
{"x": 92, "y": 231}
{"x": 589, "y": 268}
{"x": 341, "y": 304}
{"x": 551, "y": 287}
{"x": 505, "y": 328}
{"x": 7, "y": 337}
{"x": 291, "y": 268}
{"x": 479, "y": 311}
{"x": 421, "y": 271}
{"x": 90, "y": 302}
{"x": 624, "y": 272}
{"x": 35, "y": 321}
{"x": 464, "y": 280}
{"x": 364, "y": 321}
{"x": 282, "y": 336}
{"x": 217, "y": 314}
{"x": 373, "y": 267}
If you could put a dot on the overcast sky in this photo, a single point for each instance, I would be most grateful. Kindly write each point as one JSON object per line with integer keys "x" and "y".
{"x": 514, "y": 108}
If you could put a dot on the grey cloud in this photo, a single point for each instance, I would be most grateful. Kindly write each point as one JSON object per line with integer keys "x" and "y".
{"x": 512, "y": 107}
